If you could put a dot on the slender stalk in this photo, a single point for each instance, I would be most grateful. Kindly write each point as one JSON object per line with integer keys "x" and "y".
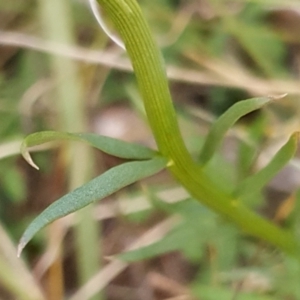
{"x": 151, "y": 76}
{"x": 57, "y": 25}
{"x": 12, "y": 269}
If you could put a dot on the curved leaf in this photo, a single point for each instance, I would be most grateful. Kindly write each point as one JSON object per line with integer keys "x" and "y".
{"x": 106, "y": 144}
{"x": 96, "y": 189}
{"x": 257, "y": 181}
{"x": 225, "y": 121}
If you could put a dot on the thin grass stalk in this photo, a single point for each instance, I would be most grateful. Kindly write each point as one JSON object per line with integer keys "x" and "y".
{"x": 12, "y": 269}
{"x": 57, "y": 25}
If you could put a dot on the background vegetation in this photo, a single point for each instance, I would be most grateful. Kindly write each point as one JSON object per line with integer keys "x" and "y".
{"x": 60, "y": 72}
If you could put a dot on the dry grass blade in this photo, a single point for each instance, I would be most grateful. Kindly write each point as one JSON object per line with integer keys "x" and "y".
{"x": 25, "y": 289}
{"x": 217, "y": 73}
{"x": 10, "y": 148}
{"x": 235, "y": 75}
{"x": 115, "y": 267}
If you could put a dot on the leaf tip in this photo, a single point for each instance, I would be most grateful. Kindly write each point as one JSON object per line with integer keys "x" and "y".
{"x": 21, "y": 246}
{"x": 278, "y": 97}
{"x": 28, "y": 158}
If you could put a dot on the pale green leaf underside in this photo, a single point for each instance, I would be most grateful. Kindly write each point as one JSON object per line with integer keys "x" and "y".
{"x": 106, "y": 144}
{"x": 96, "y": 189}
{"x": 257, "y": 181}
{"x": 225, "y": 122}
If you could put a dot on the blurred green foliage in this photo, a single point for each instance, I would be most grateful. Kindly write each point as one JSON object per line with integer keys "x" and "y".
{"x": 242, "y": 36}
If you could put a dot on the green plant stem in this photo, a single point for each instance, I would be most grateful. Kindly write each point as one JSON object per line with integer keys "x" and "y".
{"x": 151, "y": 76}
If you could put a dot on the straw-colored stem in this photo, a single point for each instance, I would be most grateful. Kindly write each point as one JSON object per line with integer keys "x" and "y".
{"x": 58, "y": 27}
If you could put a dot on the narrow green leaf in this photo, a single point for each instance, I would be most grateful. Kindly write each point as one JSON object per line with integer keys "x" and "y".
{"x": 256, "y": 182}
{"x": 106, "y": 144}
{"x": 96, "y": 189}
{"x": 227, "y": 120}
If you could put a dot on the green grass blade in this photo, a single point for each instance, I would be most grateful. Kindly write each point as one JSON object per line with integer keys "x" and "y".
{"x": 96, "y": 189}
{"x": 225, "y": 121}
{"x": 257, "y": 181}
{"x": 106, "y": 144}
